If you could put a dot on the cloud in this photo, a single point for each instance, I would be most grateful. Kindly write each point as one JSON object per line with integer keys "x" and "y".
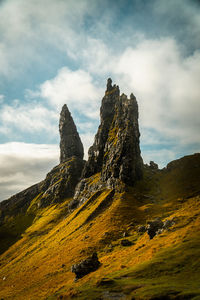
{"x": 166, "y": 86}
{"x": 22, "y": 165}
{"x": 28, "y": 118}
{"x": 28, "y": 29}
{"x": 76, "y": 88}
{"x": 1, "y": 99}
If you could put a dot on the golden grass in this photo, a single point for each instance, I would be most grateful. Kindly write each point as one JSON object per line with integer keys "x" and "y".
{"x": 37, "y": 266}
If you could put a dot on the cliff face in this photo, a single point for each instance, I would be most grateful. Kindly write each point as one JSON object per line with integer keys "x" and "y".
{"x": 61, "y": 181}
{"x": 122, "y": 158}
{"x": 116, "y": 151}
{"x": 107, "y": 111}
{"x": 70, "y": 142}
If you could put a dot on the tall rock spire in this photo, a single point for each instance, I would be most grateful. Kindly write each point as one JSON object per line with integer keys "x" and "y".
{"x": 107, "y": 111}
{"x": 116, "y": 150}
{"x": 70, "y": 142}
{"x": 122, "y": 158}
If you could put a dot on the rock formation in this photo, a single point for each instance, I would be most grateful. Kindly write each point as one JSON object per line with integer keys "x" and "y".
{"x": 61, "y": 181}
{"x": 116, "y": 151}
{"x": 70, "y": 142}
{"x": 86, "y": 266}
{"x": 107, "y": 111}
{"x": 115, "y": 154}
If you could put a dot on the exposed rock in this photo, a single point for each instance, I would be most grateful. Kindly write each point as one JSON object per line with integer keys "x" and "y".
{"x": 60, "y": 183}
{"x": 122, "y": 158}
{"x": 84, "y": 190}
{"x": 142, "y": 229}
{"x": 116, "y": 151}
{"x": 70, "y": 142}
{"x": 73, "y": 204}
{"x": 107, "y": 111}
{"x": 168, "y": 223}
{"x": 159, "y": 231}
{"x": 153, "y": 227}
{"x": 125, "y": 234}
{"x": 86, "y": 266}
{"x": 156, "y": 227}
{"x": 126, "y": 242}
{"x": 153, "y": 165}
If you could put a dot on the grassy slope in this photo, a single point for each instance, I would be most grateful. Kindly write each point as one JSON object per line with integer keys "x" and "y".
{"x": 37, "y": 266}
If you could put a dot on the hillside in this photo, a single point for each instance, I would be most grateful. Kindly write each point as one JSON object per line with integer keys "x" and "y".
{"x": 105, "y": 206}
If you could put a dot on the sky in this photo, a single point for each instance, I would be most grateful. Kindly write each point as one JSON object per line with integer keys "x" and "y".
{"x": 54, "y": 52}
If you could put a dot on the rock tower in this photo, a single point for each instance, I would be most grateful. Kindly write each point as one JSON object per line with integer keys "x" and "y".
{"x": 116, "y": 149}
{"x": 70, "y": 142}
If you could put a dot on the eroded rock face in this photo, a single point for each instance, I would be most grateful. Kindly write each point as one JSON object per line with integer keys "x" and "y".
{"x": 107, "y": 111}
{"x": 116, "y": 151}
{"x": 122, "y": 158}
{"x": 70, "y": 142}
{"x": 61, "y": 181}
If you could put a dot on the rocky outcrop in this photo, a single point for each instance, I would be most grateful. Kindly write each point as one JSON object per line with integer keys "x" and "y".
{"x": 156, "y": 227}
{"x": 58, "y": 185}
{"x": 115, "y": 156}
{"x": 122, "y": 158}
{"x": 86, "y": 266}
{"x": 153, "y": 165}
{"x": 116, "y": 151}
{"x": 70, "y": 142}
{"x": 18, "y": 203}
{"x": 60, "y": 182}
{"x": 107, "y": 111}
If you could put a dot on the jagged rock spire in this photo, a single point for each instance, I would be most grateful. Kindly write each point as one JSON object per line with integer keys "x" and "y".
{"x": 107, "y": 110}
{"x": 116, "y": 150}
{"x": 70, "y": 142}
{"x": 122, "y": 158}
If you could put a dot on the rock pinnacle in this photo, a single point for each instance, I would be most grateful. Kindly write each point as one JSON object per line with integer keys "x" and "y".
{"x": 70, "y": 142}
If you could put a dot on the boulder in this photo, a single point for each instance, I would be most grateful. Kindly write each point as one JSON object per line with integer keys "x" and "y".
{"x": 126, "y": 242}
{"x": 86, "y": 266}
{"x": 153, "y": 227}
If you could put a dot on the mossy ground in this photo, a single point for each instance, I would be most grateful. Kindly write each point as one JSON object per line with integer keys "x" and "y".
{"x": 37, "y": 266}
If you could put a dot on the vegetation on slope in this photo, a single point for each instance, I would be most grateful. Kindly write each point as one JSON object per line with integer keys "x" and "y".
{"x": 38, "y": 265}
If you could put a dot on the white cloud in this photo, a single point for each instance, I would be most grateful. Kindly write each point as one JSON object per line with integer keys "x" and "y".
{"x": 166, "y": 85}
{"x": 22, "y": 165}
{"x": 76, "y": 88}
{"x": 28, "y": 118}
{"x": 27, "y": 28}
